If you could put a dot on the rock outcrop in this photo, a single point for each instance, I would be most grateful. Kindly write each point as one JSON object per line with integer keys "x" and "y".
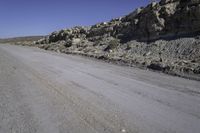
{"x": 169, "y": 18}
{"x": 163, "y": 36}
{"x": 166, "y": 19}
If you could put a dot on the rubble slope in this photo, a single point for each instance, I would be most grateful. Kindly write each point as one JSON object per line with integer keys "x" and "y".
{"x": 163, "y": 36}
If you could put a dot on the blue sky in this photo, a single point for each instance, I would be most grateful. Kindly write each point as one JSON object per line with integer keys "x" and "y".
{"x": 41, "y": 17}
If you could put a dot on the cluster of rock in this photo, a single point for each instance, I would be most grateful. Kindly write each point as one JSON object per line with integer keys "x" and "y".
{"x": 161, "y": 36}
{"x": 167, "y": 19}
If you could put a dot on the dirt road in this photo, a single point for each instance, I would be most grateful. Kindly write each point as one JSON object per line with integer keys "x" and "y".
{"x": 46, "y": 92}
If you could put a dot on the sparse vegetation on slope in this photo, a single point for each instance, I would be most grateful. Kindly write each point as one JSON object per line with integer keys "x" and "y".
{"x": 163, "y": 36}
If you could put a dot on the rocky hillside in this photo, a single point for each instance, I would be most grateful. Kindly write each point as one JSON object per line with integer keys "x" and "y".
{"x": 163, "y": 36}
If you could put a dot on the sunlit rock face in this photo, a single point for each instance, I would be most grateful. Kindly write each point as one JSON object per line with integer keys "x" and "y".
{"x": 162, "y": 36}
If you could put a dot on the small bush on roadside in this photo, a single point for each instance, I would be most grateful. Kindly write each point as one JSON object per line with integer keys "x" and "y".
{"x": 112, "y": 44}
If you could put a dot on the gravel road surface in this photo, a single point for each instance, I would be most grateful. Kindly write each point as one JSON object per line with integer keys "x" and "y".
{"x": 47, "y": 92}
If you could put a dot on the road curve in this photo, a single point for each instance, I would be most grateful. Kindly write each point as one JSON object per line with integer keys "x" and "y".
{"x": 47, "y": 92}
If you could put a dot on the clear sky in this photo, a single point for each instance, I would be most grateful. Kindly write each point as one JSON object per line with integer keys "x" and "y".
{"x": 41, "y": 17}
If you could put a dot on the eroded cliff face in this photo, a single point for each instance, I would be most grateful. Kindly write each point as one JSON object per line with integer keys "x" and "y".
{"x": 162, "y": 36}
{"x": 169, "y": 18}
{"x": 166, "y": 19}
